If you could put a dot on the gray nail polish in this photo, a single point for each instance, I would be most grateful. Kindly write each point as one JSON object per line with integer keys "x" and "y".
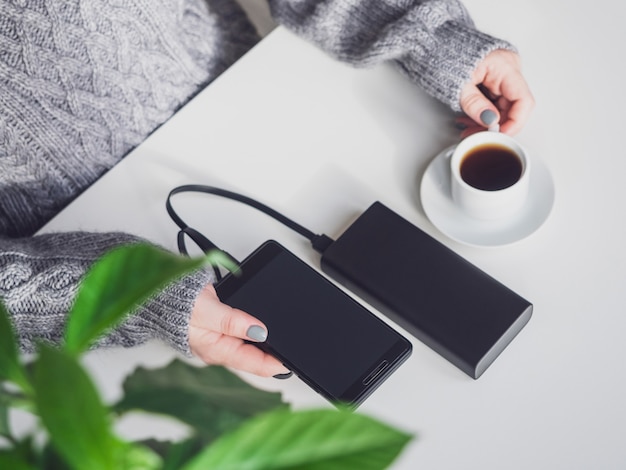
{"x": 488, "y": 117}
{"x": 257, "y": 333}
{"x": 284, "y": 376}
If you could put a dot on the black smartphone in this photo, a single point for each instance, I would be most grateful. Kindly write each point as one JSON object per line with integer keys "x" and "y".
{"x": 329, "y": 340}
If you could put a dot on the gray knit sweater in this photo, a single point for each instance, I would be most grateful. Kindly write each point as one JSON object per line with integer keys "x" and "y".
{"x": 82, "y": 82}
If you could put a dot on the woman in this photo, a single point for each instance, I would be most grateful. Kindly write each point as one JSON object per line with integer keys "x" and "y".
{"x": 83, "y": 82}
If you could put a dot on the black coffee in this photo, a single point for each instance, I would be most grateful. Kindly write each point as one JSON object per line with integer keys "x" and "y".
{"x": 491, "y": 167}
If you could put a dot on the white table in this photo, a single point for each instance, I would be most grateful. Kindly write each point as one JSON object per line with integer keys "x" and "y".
{"x": 320, "y": 141}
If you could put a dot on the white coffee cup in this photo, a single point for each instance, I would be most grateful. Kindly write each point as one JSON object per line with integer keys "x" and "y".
{"x": 489, "y": 175}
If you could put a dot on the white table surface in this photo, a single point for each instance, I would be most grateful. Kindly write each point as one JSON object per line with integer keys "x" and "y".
{"x": 321, "y": 141}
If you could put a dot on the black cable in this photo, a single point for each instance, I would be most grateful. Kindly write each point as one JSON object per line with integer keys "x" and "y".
{"x": 319, "y": 242}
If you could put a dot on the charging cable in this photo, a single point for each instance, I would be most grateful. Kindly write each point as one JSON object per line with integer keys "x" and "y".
{"x": 319, "y": 242}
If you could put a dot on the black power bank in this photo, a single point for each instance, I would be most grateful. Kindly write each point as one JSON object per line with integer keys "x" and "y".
{"x": 435, "y": 294}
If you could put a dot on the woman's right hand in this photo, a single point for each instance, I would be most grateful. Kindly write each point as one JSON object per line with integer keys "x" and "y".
{"x": 496, "y": 93}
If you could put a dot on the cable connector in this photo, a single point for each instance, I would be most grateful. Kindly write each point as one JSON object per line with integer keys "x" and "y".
{"x": 321, "y": 242}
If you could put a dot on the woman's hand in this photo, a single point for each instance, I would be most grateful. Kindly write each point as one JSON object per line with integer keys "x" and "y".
{"x": 497, "y": 93}
{"x": 217, "y": 333}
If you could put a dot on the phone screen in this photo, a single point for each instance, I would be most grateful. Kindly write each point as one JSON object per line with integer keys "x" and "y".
{"x": 327, "y": 338}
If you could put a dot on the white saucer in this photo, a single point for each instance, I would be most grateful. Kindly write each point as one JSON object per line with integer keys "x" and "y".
{"x": 450, "y": 220}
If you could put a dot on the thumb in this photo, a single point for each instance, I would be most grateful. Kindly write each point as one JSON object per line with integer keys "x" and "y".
{"x": 476, "y": 105}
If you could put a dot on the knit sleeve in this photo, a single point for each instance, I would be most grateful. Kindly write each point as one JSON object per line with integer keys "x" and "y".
{"x": 40, "y": 277}
{"x": 434, "y": 42}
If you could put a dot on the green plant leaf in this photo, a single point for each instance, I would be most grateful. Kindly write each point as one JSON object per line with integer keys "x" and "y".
{"x": 13, "y": 460}
{"x": 17, "y": 400}
{"x": 210, "y": 399}
{"x": 118, "y": 283}
{"x": 310, "y": 440}
{"x": 137, "y": 457}
{"x": 10, "y": 367}
{"x": 216, "y": 257}
{"x": 22, "y": 455}
{"x": 5, "y": 430}
{"x": 130, "y": 456}
{"x": 51, "y": 460}
{"x": 70, "y": 409}
{"x": 175, "y": 454}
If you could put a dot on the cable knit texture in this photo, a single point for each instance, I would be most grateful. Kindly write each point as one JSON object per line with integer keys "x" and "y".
{"x": 82, "y": 82}
{"x": 40, "y": 276}
{"x": 434, "y": 42}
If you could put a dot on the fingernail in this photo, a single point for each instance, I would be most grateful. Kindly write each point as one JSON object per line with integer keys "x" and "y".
{"x": 286, "y": 375}
{"x": 257, "y": 333}
{"x": 488, "y": 117}
{"x": 460, "y": 126}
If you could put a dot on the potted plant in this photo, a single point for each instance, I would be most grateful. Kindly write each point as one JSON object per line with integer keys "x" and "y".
{"x": 232, "y": 424}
